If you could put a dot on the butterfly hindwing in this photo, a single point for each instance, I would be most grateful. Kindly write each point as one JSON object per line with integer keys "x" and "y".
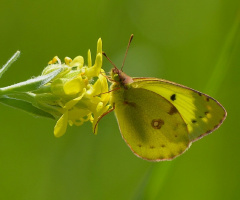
{"x": 150, "y": 124}
{"x": 202, "y": 113}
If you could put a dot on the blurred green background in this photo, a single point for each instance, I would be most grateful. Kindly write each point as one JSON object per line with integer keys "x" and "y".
{"x": 195, "y": 43}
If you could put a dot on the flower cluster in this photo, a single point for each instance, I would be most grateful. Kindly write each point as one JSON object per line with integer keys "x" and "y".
{"x": 70, "y": 92}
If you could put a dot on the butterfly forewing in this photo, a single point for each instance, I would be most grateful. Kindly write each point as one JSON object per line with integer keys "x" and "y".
{"x": 202, "y": 113}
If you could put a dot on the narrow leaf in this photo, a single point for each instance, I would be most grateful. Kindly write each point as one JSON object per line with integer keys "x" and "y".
{"x": 31, "y": 84}
{"x": 9, "y": 62}
{"x": 25, "y": 106}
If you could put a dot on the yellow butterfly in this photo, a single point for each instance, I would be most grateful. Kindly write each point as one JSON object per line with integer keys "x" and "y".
{"x": 160, "y": 119}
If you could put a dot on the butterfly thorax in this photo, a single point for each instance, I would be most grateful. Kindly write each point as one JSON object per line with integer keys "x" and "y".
{"x": 120, "y": 84}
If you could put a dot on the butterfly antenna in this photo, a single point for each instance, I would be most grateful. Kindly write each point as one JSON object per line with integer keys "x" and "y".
{"x": 103, "y": 53}
{"x": 130, "y": 40}
{"x": 104, "y": 74}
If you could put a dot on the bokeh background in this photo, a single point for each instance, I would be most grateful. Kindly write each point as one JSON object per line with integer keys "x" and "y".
{"x": 195, "y": 43}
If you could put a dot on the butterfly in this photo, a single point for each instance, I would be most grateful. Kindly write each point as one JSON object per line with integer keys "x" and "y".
{"x": 159, "y": 119}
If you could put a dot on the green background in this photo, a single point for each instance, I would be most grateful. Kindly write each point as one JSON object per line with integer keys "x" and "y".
{"x": 194, "y": 43}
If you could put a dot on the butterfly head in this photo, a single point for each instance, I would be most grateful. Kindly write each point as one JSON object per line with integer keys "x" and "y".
{"x": 120, "y": 77}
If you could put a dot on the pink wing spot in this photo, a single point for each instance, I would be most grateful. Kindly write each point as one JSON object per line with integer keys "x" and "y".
{"x": 157, "y": 123}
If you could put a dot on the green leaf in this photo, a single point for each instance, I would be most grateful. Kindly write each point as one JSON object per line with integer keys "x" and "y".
{"x": 9, "y": 62}
{"x": 31, "y": 84}
{"x": 25, "y": 106}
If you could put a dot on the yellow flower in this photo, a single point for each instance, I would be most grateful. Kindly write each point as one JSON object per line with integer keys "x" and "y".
{"x": 73, "y": 96}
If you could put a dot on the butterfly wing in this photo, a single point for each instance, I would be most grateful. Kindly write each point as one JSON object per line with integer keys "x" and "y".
{"x": 151, "y": 126}
{"x": 202, "y": 113}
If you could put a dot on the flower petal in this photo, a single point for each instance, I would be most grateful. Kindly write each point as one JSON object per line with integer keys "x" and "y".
{"x": 77, "y": 62}
{"x": 73, "y": 102}
{"x": 61, "y": 125}
{"x": 73, "y": 86}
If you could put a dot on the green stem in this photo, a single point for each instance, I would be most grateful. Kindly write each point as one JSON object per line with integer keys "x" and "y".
{"x": 229, "y": 48}
{"x": 153, "y": 181}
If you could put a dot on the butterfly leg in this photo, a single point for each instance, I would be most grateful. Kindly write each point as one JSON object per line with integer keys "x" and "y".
{"x": 100, "y": 117}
